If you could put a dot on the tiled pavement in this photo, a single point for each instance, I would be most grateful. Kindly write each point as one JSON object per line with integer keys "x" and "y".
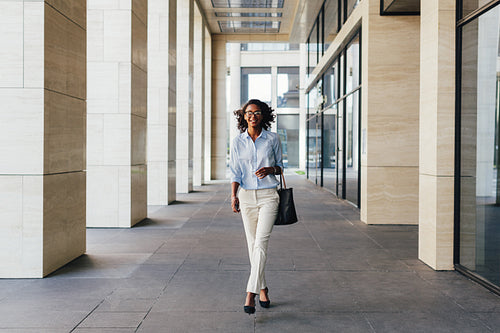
{"x": 185, "y": 270}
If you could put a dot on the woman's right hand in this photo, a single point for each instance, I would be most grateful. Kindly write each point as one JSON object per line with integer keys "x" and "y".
{"x": 235, "y": 204}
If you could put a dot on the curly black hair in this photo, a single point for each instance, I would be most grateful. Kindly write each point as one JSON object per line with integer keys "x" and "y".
{"x": 267, "y": 115}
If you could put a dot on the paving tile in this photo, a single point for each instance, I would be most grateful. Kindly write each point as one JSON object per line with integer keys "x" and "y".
{"x": 113, "y": 319}
{"x": 298, "y": 321}
{"x": 191, "y": 321}
{"x": 447, "y": 321}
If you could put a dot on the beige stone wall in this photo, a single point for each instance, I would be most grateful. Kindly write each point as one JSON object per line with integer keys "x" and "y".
{"x": 161, "y": 97}
{"x": 437, "y": 128}
{"x": 184, "y": 117}
{"x": 390, "y": 117}
{"x": 218, "y": 128}
{"x": 42, "y": 137}
{"x": 117, "y": 113}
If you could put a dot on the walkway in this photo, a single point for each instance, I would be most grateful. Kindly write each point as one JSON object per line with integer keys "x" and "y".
{"x": 185, "y": 270}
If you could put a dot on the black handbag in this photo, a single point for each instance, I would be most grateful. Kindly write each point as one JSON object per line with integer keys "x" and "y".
{"x": 286, "y": 210}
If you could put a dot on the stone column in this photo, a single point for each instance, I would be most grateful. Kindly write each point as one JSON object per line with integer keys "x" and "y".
{"x": 390, "y": 113}
{"x": 117, "y": 116}
{"x": 219, "y": 136}
{"x": 208, "y": 104}
{"x": 437, "y": 133}
{"x": 235, "y": 88}
{"x": 42, "y": 136}
{"x": 303, "y": 108}
{"x": 184, "y": 160}
{"x": 198, "y": 99}
{"x": 162, "y": 21}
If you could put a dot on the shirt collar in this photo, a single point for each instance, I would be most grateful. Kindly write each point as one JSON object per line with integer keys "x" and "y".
{"x": 262, "y": 134}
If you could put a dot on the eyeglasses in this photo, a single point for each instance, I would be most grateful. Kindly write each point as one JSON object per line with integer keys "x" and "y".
{"x": 255, "y": 113}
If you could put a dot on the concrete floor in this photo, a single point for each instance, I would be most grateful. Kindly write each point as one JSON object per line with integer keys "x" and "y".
{"x": 185, "y": 270}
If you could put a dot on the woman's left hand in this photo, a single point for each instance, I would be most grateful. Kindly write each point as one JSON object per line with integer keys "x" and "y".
{"x": 264, "y": 171}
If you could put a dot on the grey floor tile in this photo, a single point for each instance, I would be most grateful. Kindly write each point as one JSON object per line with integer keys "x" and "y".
{"x": 189, "y": 322}
{"x": 310, "y": 322}
{"x": 426, "y": 322}
{"x": 113, "y": 320}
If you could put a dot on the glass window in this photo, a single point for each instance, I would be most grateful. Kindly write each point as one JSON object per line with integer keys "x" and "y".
{"x": 269, "y": 47}
{"x": 330, "y": 85}
{"x": 351, "y": 4}
{"x": 329, "y": 149}
{"x": 313, "y": 49}
{"x": 256, "y": 83}
{"x": 352, "y": 70}
{"x": 351, "y": 147}
{"x": 288, "y": 130}
{"x": 288, "y": 87}
{"x": 468, "y": 6}
{"x": 480, "y": 154}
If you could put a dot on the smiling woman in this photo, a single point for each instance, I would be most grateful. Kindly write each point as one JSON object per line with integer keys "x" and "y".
{"x": 255, "y": 160}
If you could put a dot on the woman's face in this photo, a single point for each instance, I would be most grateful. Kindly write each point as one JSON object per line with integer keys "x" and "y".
{"x": 253, "y": 115}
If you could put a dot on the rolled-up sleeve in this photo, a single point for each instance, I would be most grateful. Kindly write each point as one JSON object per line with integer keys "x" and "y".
{"x": 278, "y": 156}
{"x": 234, "y": 166}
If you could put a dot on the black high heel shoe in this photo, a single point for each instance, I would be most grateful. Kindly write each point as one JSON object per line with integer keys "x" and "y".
{"x": 265, "y": 304}
{"x": 249, "y": 308}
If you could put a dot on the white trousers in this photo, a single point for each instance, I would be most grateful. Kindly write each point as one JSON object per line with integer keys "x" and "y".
{"x": 258, "y": 211}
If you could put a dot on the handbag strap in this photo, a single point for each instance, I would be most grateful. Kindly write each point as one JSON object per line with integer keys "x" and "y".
{"x": 282, "y": 177}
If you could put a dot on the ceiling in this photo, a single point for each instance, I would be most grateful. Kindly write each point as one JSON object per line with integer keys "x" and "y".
{"x": 260, "y": 20}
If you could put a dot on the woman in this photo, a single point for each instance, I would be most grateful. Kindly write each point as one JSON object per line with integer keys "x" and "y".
{"x": 255, "y": 159}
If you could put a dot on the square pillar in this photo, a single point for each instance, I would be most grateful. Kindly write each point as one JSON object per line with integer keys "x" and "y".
{"x": 42, "y": 136}
{"x": 198, "y": 98}
{"x": 162, "y": 30}
{"x": 208, "y": 104}
{"x": 218, "y": 117}
{"x": 184, "y": 132}
{"x": 390, "y": 115}
{"x": 117, "y": 113}
{"x": 437, "y": 133}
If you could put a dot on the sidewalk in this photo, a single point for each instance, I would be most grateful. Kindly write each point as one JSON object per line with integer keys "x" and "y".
{"x": 185, "y": 270}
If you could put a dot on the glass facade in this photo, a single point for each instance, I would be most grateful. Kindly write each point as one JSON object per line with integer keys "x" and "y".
{"x": 256, "y": 83}
{"x": 288, "y": 87}
{"x": 334, "y": 125}
{"x": 288, "y": 130}
{"x": 478, "y": 173}
{"x": 259, "y": 47}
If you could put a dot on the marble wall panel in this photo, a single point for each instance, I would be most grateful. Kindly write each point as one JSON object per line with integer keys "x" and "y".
{"x": 103, "y": 196}
{"x": 21, "y": 203}
{"x": 21, "y": 131}
{"x": 157, "y": 182}
{"x": 75, "y": 10}
{"x": 64, "y": 219}
{"x": 391, "y": 195}
{"x": 124, "y": 196}
{"x": 125, "y": 87}
{"x": 95, "y": 139}
{"x": 11, "y": 52}
{"x": 95, "y": 32}
{"x": 117, "y": 35}
{"x": 117, "y": 139}
{"x": 65, "y": 133}
{"x": 109, "y": 4}
{"x": 139, "y": 42}
{"x": 139, "y": 204}
{"x": 102, "y": 87}
{"x": 139, "y": 92}
{"x": 393, "y": 139}
{"x": 157, "y": 143}
{"x": 34, "y": 44}
{"x": 140, "y": 9}
{"x": 65, "y": 55}
{"x": 138, "y": 140}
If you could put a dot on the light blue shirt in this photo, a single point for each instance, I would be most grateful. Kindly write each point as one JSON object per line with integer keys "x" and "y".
{"x": 247, "y": 157}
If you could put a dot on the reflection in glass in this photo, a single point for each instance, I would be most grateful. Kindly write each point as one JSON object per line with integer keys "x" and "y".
{"x": 288, "y": 87}
{"x": 480, "y": 122}
{"x": 330, "y": 85}
{"x": 256, "y": 83}
{"x": 314, "y": 149}
{"x": 352, "y": 70}
{"x": 468, "y": 6}
{"x": 329, "y": 149}
{"x": 351, "y": 4}
{"x": 288, "y": 130}
{"x": 351, "y": 147}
